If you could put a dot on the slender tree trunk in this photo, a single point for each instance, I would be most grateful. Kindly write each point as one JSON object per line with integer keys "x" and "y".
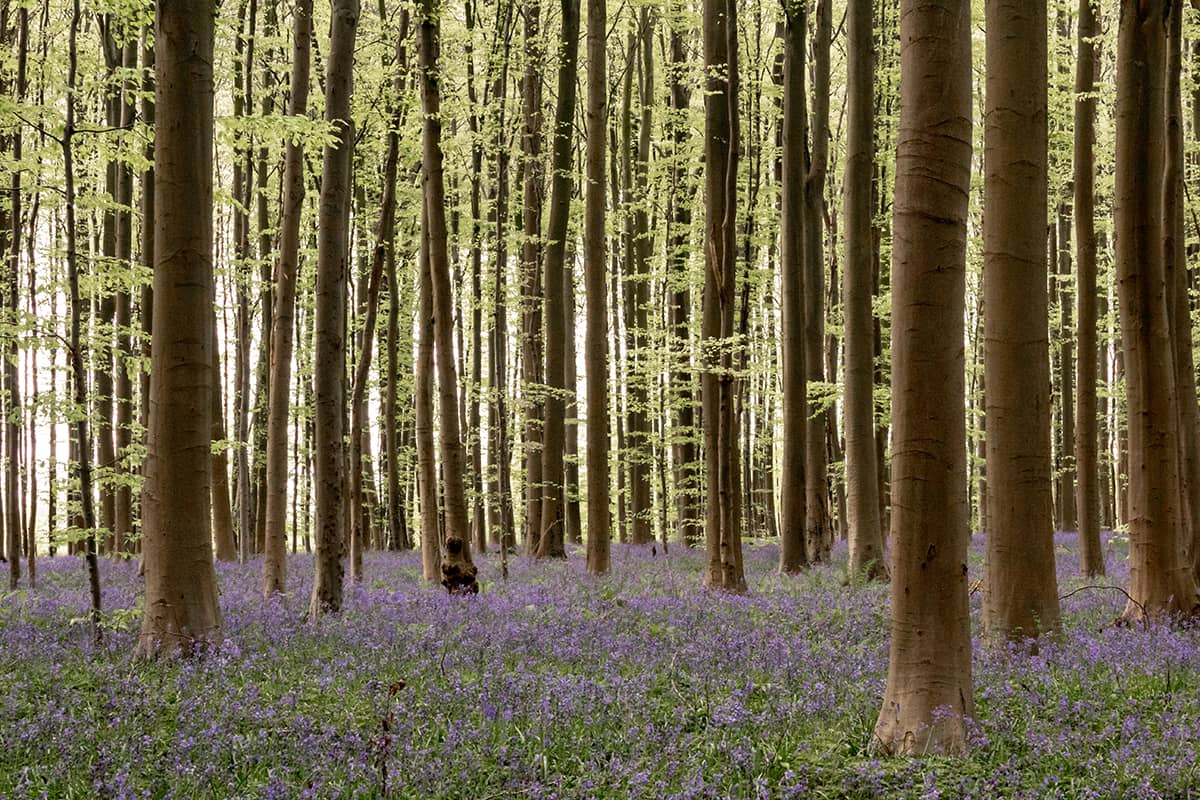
{"x": 638, "y": 297}
{"x": 384, "y": 234}
{"x": 398, "y": 536}
{"x": 330, "y": 315}
{"x": 1087, "y": 463}
{"x": 104, "y": 314}
{"x": 360, "y": 519}
{"x": 719, "y": 387}
{"x": 431, "y": 552}
{"x": 552, "y": 526}
{"x": 574, "y": 525}
{"x": 1066, "y": 366}
{"x": 458, "y": 571}
{"x": 594, "y": 260}
{"x": 531, "y": 263}
{"x": 284, "y": 307}
{"x": 122, "y": 380}
{"x": 862, "y": 473}
{"x": 147, "y": 231}
{"x": 1177, "y": 291}
{"x": 81, "y": 454}
{"x": 474, "y": 426}
{"x": 182, "y": 616}
{"x": 929, "y": 691}
{"x": 683, "y": 451}
{"x": 818, "y": 516}
{"x": 1021, "y": 599}
{"x": 222, "y": 511}
{"x": 10, "y": 228}
{"x": 266, "y": 294}
{"x": 499, "y": 449}
{"x": 242, "y": 178}
{"x": 794, "y": 555}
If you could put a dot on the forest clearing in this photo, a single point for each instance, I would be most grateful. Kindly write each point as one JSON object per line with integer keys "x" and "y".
{"x": 555, "y": 684}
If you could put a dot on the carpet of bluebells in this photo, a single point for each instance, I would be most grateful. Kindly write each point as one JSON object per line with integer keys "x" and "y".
{"x": 557, "y": 685}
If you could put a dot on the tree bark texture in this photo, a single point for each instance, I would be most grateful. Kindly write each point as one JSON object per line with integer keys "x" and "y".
{"x": 1160, "y": 571}
{"x": 793, "y": 554}
{"x": 719, "y": 386}
{"x": 929, "y": 690}
{"x": 862, "y": 473}
{"x": 182, "y": 616}
{"x": 1021, "y": 598}
{"x": 594, "y": 259}
{"x": 333, "y": 234}
{"x": 283, "y": 324}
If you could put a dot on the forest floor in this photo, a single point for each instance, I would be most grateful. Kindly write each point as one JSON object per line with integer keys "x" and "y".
{"x": 557, "y": 685}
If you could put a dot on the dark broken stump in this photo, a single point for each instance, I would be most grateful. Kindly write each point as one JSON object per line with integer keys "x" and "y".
{"x": 458, "y": 573}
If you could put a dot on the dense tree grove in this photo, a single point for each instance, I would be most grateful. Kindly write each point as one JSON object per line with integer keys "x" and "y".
{"x": 508, "y": 282}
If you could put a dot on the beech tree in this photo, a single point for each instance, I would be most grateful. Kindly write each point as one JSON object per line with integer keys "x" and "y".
{"x": 552, "y": 523}
{"x": 929, "y": 691}
{"x": 1161, "y": 579}
{"x": 329, "y": 468}
{"x": 793, "y": 554}
{"x": 722, "y": 523}
{"x": 1021, "y": 599}
{"x": 1087, "y": 462}
{"x": 596, "y": 335}
{"x": 862, "y": 472}
{"x": 284, "y": 307}
{"x": 458, "y": 570}
{"x": 182, "y": 616}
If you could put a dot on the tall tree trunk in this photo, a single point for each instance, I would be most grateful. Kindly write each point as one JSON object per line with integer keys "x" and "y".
{"x": 397, "y": 536}
{"x": 104, "y": 314}
{"x": 283, "y": 324}
{"x": 594, "y": 261}
{"x": 719, "y": 387}
{"x": 330, "y": 315}
{"x": 862, "y": 473}
{"x": 182, "y": 616}
{"x": 683, "y": 451}
{"x": 1160, "y": 572}
{"x": 818, "y": 516}
{"x": 266, "y": 294}
{"x": 531, "y": 262}
{"x": 499, "y": 448}
{"x": 929, "y": 691}
{"x": 81, "y": 452}
{"x": 638, "y": 297}
{"x": 573, "y": 527}
{"x": 242, "y": 179}
{"x": 427, "y": 489}
{"x": 147, "y": 229}
{"x": 458, "y": 571}
{"x": 222, "y": 510}
{"x": 1087, "y": 463}
{"x": 122, "y": 380}
{"x": 10, "y": 229}
{"x": 1021, "y": 599}
{"x": 1177, "y": 291}
{"x": 474, "y": 426}
{"x": 793, "y": 555}
{"x": 1061, "y": 231}
{"x": 551, "y": 533}
{"x": 384, "y": 234}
